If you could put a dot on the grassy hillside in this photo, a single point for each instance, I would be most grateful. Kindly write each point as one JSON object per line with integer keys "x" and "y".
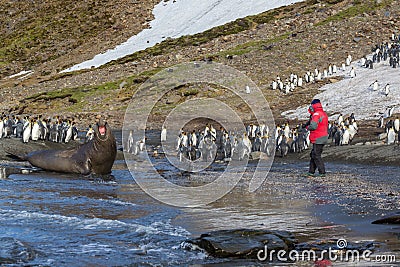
{"x": 296, "y": 38}
{"x": 35, "y": 32}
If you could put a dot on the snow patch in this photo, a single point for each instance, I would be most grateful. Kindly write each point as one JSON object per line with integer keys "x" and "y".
{"x": 174, "y": 19}
{"x": 356, "y": 95}
{"x": 21, "y": 75}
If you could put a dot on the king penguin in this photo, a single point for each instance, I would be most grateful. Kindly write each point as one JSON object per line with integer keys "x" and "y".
{"x": 346, "y": 136}
{"x": 68, "y": 134}
{"x": 27, "y": 131}
{"x": 381, "y": 123}
{"x": 130, "y": 142}
{"x": 1, "y": 127}
{"x": 397, "y": 125}
{"x": 375, "y": 85}
{"x": 247, "y": 89}
{"x": 35, "y": 131}
{"x": 391, "y": 136}
{"x": 164, "y": 134}
{"x": 386, "y": 90}
{"x": 325, "y": 74}
{"x": 348, "y": 60}
{"x": 330, "y": 69}
{"x": 319, "y": 77}
{"x": 300, "y": 82}
{"x": 280, "y": 83}
{"x": 334, "y": 68}
{"x": 340, "y": 119}
{"x": 19, "y": 129}
{"x": 337, "y": 137}
{"x": 307, "y": 77}
{"x": 274, "y": 85}
{"x": 352, "y": 72}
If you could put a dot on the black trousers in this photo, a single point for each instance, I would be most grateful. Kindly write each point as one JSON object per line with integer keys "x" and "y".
{"x": 316, "y": 159}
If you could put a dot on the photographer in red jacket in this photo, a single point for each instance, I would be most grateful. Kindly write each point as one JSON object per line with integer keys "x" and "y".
{"x": 318, "y": 127}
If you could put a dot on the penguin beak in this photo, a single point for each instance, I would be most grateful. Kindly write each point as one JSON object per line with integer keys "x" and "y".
{"x": 102, "y": 130}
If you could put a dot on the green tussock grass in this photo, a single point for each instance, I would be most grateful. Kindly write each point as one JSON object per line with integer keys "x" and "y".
{"x": 77, "y": 96}
{"x": 253, "y": 45}
{"x": 40, "y": 29}
{"x": 358, "y": 8}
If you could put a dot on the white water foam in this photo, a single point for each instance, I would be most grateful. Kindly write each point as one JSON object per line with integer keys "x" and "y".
{"x": 158, "y": 227}
{"x": 174, "y": 19}
{"x": 118, "y": 202}
{"x": 96, "y": 248}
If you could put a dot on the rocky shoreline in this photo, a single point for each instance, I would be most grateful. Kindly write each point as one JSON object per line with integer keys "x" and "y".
{"x": 379, "y": 154}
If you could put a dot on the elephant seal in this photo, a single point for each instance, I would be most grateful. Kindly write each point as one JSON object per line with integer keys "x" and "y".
{"x": 96, "y": 156}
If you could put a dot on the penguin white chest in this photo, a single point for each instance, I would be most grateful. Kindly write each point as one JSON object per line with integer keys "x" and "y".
{"x": 35, "y": 132}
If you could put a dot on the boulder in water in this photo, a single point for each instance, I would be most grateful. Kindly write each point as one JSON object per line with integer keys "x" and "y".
{"x": 390, "y": 219}
{"x": 258, "y": 155}
{"x": 13, "y": 251}
{"x": 242, "y": 243}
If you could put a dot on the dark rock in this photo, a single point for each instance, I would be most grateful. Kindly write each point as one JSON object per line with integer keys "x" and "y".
{"x": 258, "y": 155}
{"x": 242, "y": 243}
{"x": 390, "y": 219}
{"x": 268, "y": 47}
{"x": 13, "y": 251}
{"x": 173, "y": 99}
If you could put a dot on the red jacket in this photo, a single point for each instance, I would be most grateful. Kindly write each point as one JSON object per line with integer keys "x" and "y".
{"x": 318, "y": 125}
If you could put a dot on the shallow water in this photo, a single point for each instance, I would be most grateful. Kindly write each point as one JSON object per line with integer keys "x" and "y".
{"x": 70, "y": 220}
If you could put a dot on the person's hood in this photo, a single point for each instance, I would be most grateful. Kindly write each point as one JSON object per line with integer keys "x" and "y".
{"x": 316, "y": 107}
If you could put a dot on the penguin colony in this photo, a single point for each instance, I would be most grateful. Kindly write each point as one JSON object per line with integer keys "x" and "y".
{"x": 382, "y": 52}
{"x": 36, "y": 128}
{"x": 135, "y": 147}
{"x": 295, "y": 80}
{"x": 343, "y": 130}
{"x": 204, "y": 144}
{"x": 291, "y": 139}
{"x": 386, "y": 52}
{"x": 392, "y": 130}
